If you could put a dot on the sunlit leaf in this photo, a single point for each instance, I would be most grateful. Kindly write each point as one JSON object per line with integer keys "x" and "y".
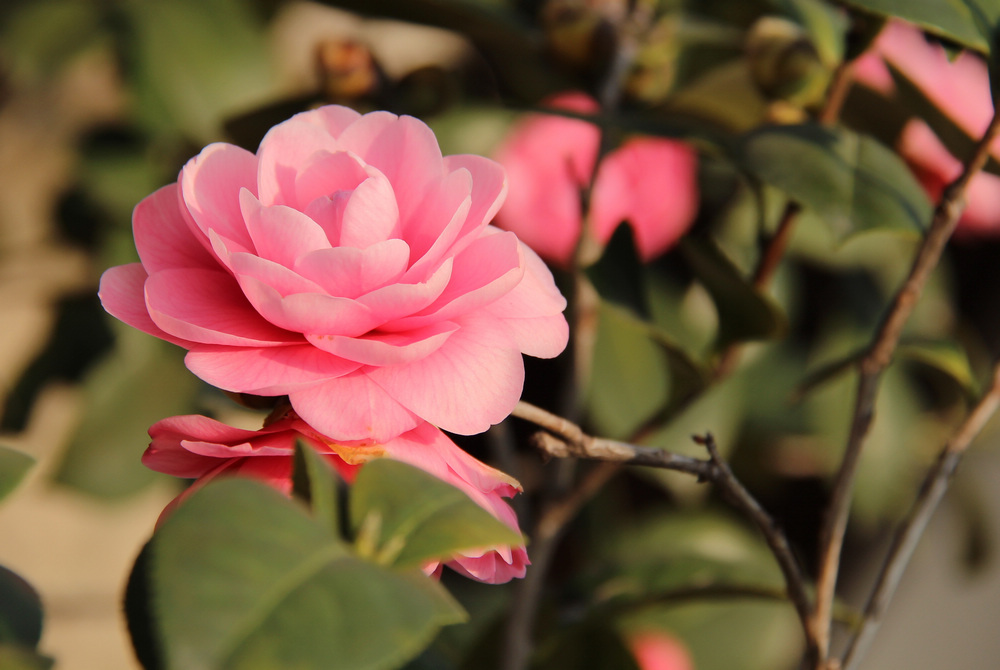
{"x": 314, "y": 482}
{"x": 195, "y": 62}
{"x": 968, "y": 22}
{"x": 854, "y": 183}
{"x": 406, "y": 517}
{"x": 240, "y": 577}
{"x": 947, "y": 357}
{"x": 13, "y": 466}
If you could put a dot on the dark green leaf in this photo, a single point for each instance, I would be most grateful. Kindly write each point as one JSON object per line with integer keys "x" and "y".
{"x": 140, "y": 383}
{"x": 20, "y": 611}
{"x": 404, "y": 517}
{"x": 314, "y": 481}
{"x": 967, "y": 22}
{"x": 618, "y": 274}
{"x": 589, "y": 645}
{"x": 240, "y": 577}
{"x": 956, "y": 140}
{"x": 744, "y": 313}
{"x": 13, "y": 466}
{"x": 854, "y": 183}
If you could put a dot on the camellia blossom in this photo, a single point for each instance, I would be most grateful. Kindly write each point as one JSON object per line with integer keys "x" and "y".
{"x": 349, "y": 266}
{"x": 200, "y": 448}
{"x": 961, "y": 90}
{"x": 649, "y": 182}
{"x": 655, "y": 650}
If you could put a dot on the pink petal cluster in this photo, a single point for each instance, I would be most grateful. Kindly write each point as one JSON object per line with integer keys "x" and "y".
{"x": 350, "y": 266}
{"x": 200, "y": 448}
{"x": 649, "y": 182}
{"x": 655, "y": 650}
{"x": 961, "y": 90}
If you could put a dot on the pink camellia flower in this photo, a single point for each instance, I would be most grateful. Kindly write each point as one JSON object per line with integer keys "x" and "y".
{"x": 196, "y": 447}
{"x": 649, "y": 182}
{"x": 961, "y": 90}
{"x": 655, "y": 650}
{"x": 350, "y": 266}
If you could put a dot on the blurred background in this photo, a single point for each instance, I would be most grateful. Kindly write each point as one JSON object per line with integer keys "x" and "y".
{"x": 102, "y": 102}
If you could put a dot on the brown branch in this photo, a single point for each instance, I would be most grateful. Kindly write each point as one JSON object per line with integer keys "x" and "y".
{"x": 872, "y": 366}
{"x": 564, "y": 439}
{"x": 910, "y": 531}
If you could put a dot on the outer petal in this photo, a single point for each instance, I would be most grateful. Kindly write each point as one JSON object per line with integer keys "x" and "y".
{"x": 353, "y": 408}
{"x": 210, "y": 186}
{"x": 122, "y": 295}
{"x": 471, "y": 382}
{"x": 270, "y": 371}
{"x": 208, "y": 306}
{"x": 163, "y": 237}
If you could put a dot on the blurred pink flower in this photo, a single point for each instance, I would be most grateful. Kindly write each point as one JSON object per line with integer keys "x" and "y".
{"x": 348, "y": 265}
{"x": 961, "y": 90}
{"x": 200, "y": 448}
{"x": 655, "y": 650}
{"x": 649, "y": 182}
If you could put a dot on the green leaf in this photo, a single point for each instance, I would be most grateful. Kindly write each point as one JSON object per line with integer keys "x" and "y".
{"x": 20, "y": 611}
{"x": 195, "y": 62}
{"x": 744, "y": 313}
{"x": 142, "y": 381}
{"x": 404, "y": 517}
{"x": 826, "y": 26}
{"x": 854, "y": 183}
{"x": 240, "y": 577}
{"x": 967, "y": 22}
{"x": 618, "y": 274}
{"x": 629, "y": 379}
{"x": 314, "y": 482}
{"x": 947, "y": 357}
{"x": 18, "y": 658}
{"x": 955, "y": 139}
{"x": 13, "y": 466}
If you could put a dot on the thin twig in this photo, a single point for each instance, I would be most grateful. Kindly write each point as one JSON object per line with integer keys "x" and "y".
{"x": 909, "y": 533}
{"x": 564, "y": 439}
{"x": 872, "y": 365}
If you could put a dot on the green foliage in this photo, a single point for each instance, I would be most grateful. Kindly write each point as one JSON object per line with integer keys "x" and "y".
{"x": 968, "y": 22}
{"x": 241, "y": 577}
{"x": 142, "y": 381}
{"x": 852, "y": 181}
{"x": 404, "y": 517}
{"x": 13, "y": 466}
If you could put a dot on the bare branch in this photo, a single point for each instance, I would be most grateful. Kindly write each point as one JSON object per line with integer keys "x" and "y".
{"x": 910, "y": 531}
{"x": 874, "y": 363}
{"x": 565, "y": 439}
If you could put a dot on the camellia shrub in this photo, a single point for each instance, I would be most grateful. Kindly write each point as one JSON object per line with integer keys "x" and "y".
{"x": 591, "y": 344}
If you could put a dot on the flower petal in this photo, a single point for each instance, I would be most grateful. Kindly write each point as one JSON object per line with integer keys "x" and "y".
{"x": 387, "y": 348}
{"x": 471, "y": 382}
{"x": 371, "y": 214}
{"x": 122, "y": 294}
{"x": 210, "y": 186}
{"x": 162, "y": 235}
{"x": 279, "y": 233}
{"x": 349, "y": 272}
{"x": 208, "y": 306}
{"x": 266, "y": 371}
{"x": 353, "y": 408}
